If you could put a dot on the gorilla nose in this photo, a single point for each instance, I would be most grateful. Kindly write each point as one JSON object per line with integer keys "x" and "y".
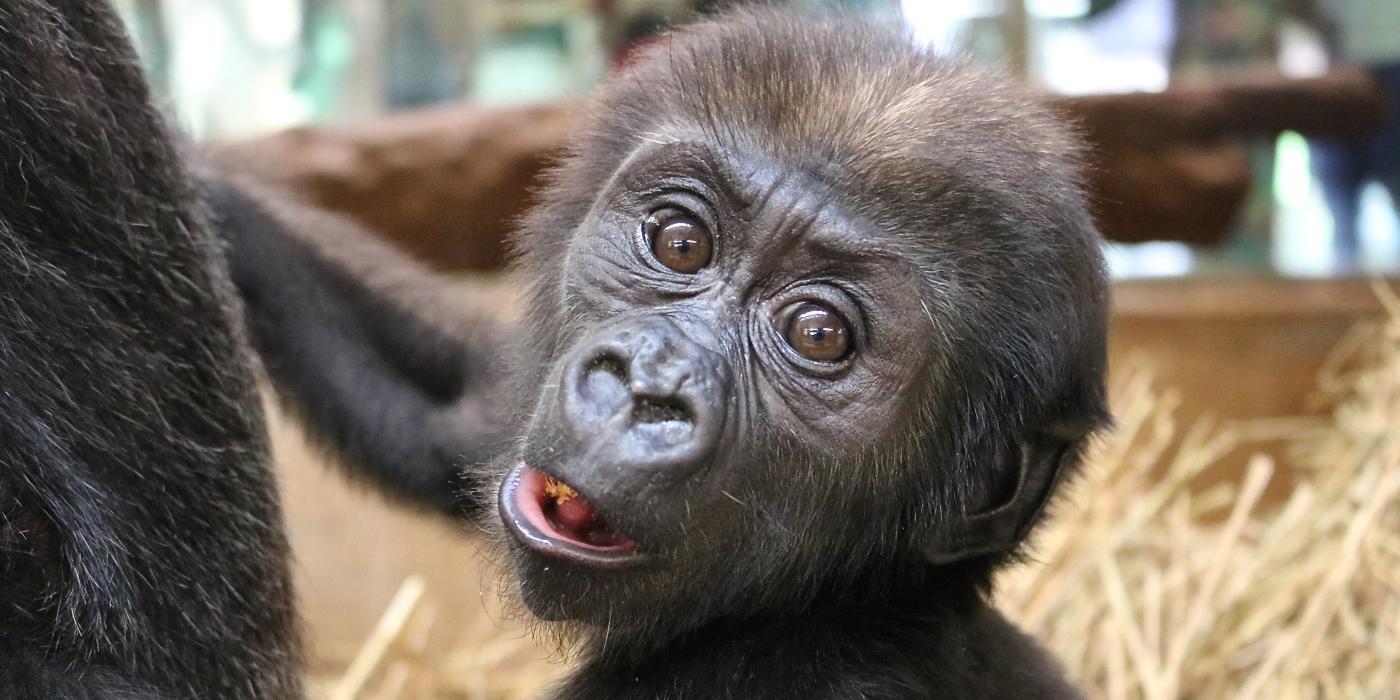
{"x": 647, "y": 395}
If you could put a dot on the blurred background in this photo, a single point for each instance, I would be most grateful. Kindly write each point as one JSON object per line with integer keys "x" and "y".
{"x": 233, "y": 68}
{"x": 1243, "y": 161}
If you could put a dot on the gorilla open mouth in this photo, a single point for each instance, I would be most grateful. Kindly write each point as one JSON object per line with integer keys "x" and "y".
{"x": 551, "y": 518}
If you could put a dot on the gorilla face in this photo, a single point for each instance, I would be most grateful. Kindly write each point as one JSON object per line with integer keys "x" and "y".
{"x": 737, "y": 341}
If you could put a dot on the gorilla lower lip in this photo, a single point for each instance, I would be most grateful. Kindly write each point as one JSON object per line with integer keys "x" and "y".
{"x": 551, "y": 517}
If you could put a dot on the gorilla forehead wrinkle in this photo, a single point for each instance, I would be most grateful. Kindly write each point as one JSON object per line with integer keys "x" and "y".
{"x": 796, "y": 207}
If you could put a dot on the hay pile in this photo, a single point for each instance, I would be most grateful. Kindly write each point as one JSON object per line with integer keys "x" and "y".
{"x": 1148, "y": 588}
{"x": 1148, "y": 584}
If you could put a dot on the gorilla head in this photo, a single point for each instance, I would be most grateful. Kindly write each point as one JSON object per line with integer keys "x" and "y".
{"x": 813, "y": 313}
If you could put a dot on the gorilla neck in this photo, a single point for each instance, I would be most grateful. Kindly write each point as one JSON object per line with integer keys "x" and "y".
{"x": 909, "y": 645}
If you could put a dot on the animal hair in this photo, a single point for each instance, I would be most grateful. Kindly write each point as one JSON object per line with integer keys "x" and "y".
{"x": 140, "y": 536}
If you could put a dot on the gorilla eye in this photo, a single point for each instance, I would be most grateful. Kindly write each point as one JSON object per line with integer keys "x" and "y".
{"x": 817, "y": 333}
{"x": 678, "y": 241}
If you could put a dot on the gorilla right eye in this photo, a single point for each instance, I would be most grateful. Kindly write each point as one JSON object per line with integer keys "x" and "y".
{"x": 678, "y": 240}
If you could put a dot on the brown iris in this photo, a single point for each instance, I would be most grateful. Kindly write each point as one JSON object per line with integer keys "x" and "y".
{"x": 817, "y": 333}
{"x": 679, "y": 241}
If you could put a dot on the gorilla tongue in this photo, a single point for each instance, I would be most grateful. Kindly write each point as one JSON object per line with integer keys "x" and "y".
{"x": 575, "y": 519}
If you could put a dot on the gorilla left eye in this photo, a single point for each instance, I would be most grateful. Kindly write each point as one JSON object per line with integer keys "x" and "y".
{"x": 678, "y": 241}
{"x": 817, "y": 333}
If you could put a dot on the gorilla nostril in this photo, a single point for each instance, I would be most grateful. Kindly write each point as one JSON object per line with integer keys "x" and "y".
{"x": 602, "y": 387}
{"x": 652, "y": 409}
{"x": 609, "y": 363}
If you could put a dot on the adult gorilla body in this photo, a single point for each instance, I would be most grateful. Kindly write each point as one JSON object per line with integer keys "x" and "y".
{"x": 815, "y": 325}
{"x": 141, "y": 553}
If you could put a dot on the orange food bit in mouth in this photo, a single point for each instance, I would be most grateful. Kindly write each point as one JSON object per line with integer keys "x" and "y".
{"x": 561, "y": 492}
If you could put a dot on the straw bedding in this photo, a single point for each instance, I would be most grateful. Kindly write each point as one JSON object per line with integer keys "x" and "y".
{"x": 1147, "y": 584}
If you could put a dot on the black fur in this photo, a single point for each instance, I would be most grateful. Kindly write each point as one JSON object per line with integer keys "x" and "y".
{"x": 936, "y": 644}
{"x": 141, "y": 552}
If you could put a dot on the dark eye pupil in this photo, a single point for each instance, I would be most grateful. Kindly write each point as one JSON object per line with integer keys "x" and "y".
{"x": 681, "y": 245}
{"x": 678, "y": 241}
{"x": 817, "y": 333}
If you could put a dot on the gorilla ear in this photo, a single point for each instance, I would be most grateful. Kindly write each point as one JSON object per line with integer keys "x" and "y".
{"x": 1040, "y": 461}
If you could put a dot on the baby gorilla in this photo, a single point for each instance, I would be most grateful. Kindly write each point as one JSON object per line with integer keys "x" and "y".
{"x": 815, "y": 326}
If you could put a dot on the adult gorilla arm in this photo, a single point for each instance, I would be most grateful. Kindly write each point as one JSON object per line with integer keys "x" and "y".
{"x": 387, "y": 364}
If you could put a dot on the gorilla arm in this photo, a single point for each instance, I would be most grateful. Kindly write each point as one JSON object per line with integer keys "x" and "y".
{"x": 386, "y": 363}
